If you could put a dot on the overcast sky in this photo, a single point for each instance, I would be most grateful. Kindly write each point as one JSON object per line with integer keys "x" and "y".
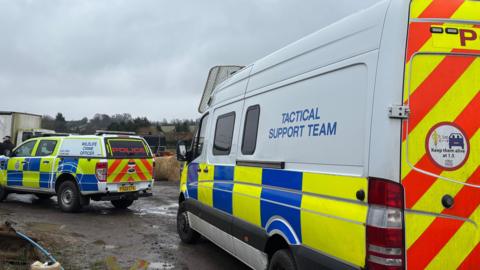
{"x": 144, "y": 57}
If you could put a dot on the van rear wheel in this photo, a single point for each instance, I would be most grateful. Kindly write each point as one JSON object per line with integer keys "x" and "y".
{"x": 282, "y": 260}
{"x": 122, "y": 204}
{"x": 69, "y": 197}
{"x": 186, "y": 233}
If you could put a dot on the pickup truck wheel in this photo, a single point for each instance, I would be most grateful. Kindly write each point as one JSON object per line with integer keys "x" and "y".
{"x": 186, "y": 233}
{"x": 3, "y": 193}
{"x": 122, "y": 204}
{"x": 282, "y": 260}
{"x": 69, "y": 197}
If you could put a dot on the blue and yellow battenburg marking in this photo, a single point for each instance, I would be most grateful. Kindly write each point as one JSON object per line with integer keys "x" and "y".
{"x": 298, "y": 204}
{"x": 41, "y": 172}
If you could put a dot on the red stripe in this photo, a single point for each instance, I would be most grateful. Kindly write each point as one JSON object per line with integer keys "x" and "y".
{"x": 111, "y": 169}
{"x": 120, "y": 175}
{"x": 472, "y": 261}
{"x": 416, "y": 183}
{"x": 441, "y": 9}
{"x": 418, "y": 35}
{"x": 147, "y": 165}
{"x": 467, "y": 199}
{"x": 141, "y": 175}
{"x": 429, "y": 93}
{"x": 437, "y": 235}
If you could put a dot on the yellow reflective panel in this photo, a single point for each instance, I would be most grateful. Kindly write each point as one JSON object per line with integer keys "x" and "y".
{"x": 457, "y": 37}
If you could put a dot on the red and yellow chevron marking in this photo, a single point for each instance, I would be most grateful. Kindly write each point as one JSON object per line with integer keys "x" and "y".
{"x": 129, "y": 170}
{"x": 442, "y": 84}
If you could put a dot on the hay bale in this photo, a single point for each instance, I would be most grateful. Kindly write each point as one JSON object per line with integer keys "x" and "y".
{"x": 166, "y": 168}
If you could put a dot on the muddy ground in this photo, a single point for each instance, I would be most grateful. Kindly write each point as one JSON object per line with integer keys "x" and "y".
{"x": 100, "y": 233}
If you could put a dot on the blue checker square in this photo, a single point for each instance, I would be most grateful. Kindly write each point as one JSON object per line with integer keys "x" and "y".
{"x": 282, "y": 179}
{"x": 222, "y": 196}
{"x": 283, "y": 204}
{"x": 223, "y": 173}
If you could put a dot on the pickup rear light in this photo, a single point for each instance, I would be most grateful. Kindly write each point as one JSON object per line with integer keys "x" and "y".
{"x": 101, "y": 170}
{"x": 385, "y": 234}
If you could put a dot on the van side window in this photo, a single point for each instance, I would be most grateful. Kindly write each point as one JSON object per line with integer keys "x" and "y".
{"x": 250, "y": 130}
{"x": 197, "y": 144}
{"x": 46, "y": 148}
{"x": 222, "y": 143}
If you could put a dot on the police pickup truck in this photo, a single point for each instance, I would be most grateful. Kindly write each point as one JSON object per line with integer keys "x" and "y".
{"x": 77, "y": 169}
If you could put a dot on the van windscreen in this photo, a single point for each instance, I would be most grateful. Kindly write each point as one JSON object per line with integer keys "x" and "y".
{"x": 127, "y": 148}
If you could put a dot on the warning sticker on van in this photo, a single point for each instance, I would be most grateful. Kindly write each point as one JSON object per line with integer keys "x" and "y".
{"x": 447, "y": 146}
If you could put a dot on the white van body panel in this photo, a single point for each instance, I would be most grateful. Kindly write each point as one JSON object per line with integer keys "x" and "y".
{"x": 385, "y": 140}
{"x": 322, "y": 48}
{"x": 344, "y": 77}
{"x": 325, "y": 72}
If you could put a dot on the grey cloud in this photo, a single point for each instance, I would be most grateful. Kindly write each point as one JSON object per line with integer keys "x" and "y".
{"x": 144, "y": 57}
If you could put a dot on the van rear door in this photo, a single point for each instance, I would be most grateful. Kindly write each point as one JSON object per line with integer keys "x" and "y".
{"x": 441, "y": 138}
{"x": 130, "y": 160}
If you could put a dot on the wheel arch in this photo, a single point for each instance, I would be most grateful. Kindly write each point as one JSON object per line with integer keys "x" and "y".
{"x": 275, "y": 243}
{"x": 63, "y": 177}
{"x": 181, "y": 198}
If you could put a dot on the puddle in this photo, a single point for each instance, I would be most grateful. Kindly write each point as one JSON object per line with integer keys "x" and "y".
{"x": 109, "y": 247}
{"x": 168, "y": 245}
{"x": 21, "y": 198}
{"x": 4, "y": 212}
{"x": 45, "y": 227}
{"x": 165, "y": 210}
{"x": 105, "y": 212}
{"x": 161, "y": 266}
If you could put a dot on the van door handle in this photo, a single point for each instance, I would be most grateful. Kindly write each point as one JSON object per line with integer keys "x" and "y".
{"x": 24, "y": 162}
{"x": 46, "y": 162}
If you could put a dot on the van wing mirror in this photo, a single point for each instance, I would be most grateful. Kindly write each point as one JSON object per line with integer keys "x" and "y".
{"x": 182, "y": 153}
{"x": 216, "y": 76}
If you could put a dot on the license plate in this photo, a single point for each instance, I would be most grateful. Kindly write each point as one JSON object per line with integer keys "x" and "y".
{"x": 127, "y": 188}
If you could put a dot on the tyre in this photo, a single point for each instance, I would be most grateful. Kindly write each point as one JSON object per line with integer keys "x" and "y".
{"x": 69, "y": 197}
{"x": 282, "y": 260}
{"x": 122, "y": 204}
{"x": 44, "y": 197}
{"x": 3, "y": 193}
{"x": 186, "y": 233}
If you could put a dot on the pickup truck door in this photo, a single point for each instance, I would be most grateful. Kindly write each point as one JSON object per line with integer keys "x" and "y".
{"x": 3, "y": 170}
{"x": 17, "y": 167}
{"x": 45, "y": 156}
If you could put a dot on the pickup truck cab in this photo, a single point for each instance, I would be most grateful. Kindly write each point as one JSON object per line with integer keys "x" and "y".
{"x": 79, "y": 168}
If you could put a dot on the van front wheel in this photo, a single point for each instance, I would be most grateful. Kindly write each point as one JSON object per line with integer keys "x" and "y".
{"x": 282, "y": 260}
{"x": 186, "y": 233}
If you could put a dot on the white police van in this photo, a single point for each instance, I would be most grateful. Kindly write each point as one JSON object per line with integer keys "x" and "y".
{"x": 356, "y": 147}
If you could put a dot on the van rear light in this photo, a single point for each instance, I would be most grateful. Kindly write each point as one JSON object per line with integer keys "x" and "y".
{"x": 385, "y": 234}
{"x": 386, "y": 193}
{"x": 101, "y": 170}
